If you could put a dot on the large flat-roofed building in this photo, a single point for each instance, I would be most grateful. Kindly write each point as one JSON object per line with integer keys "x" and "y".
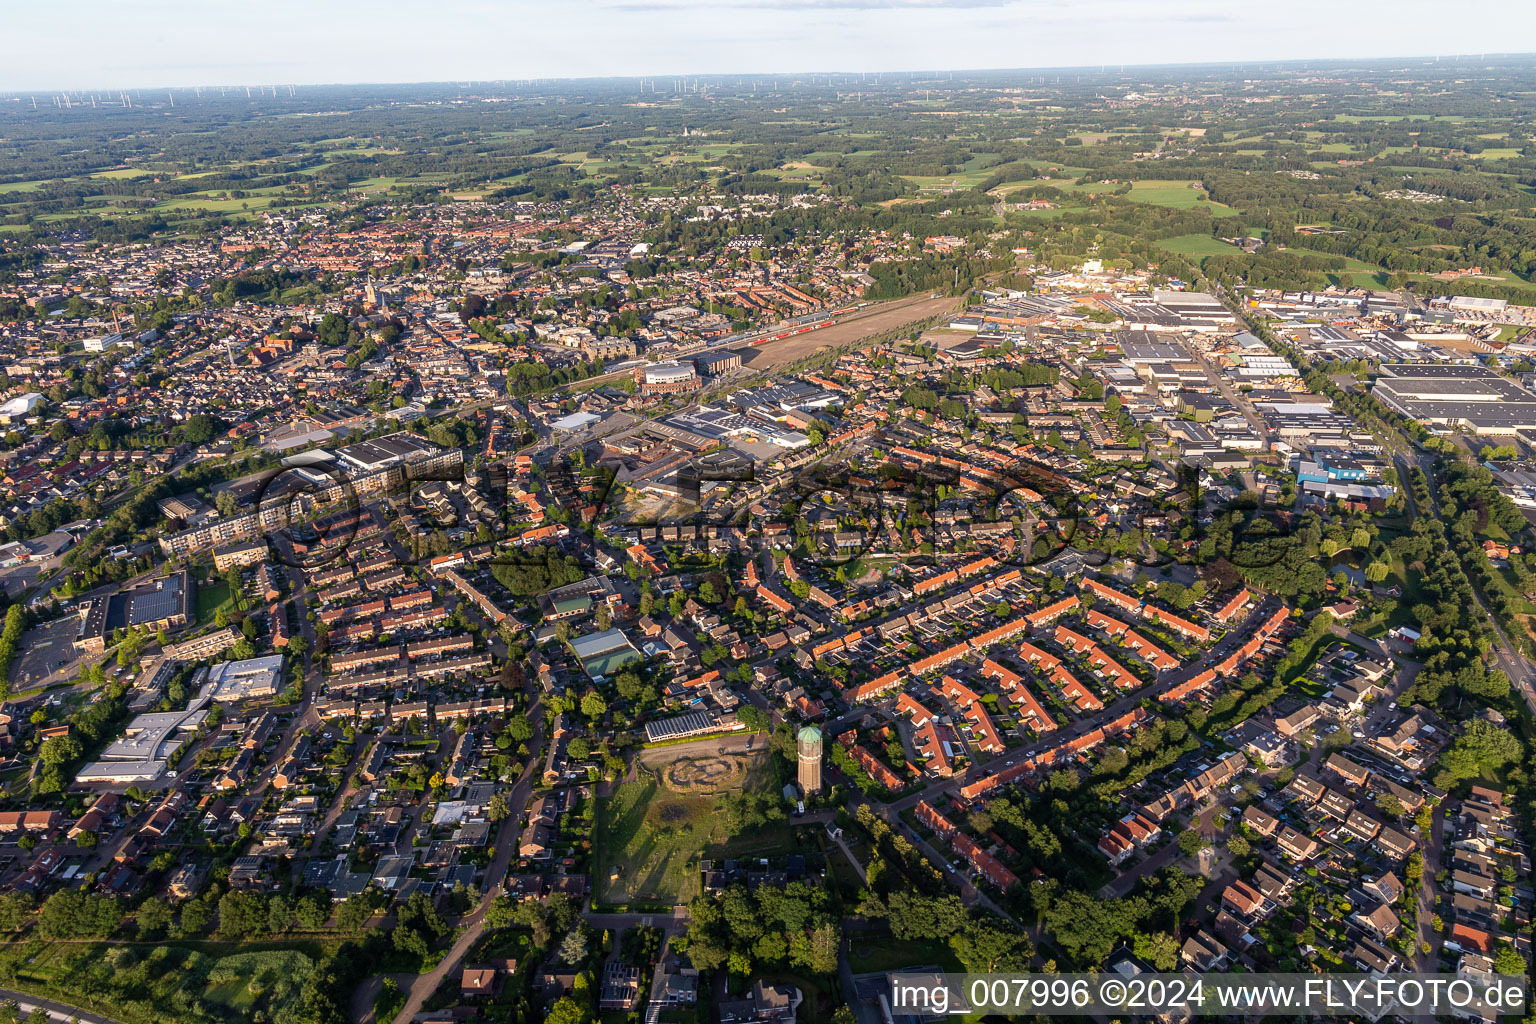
{"x": 146, "y": 746}
{"x": 165, "y": 603}
{"x": 576, "y": 599}
{"x": 241, "y": 680}
{"x": 601, "y": 653}
{"x": 185, "y": 507}
{"x": 1471, "y": 307}
{"x": 384, "y": 452}
{"x": 239, "y": 555}
{"x": 19, "y": 408}
{"x": 1198, "y": 311}
{"x": 162, "y": 604}
{"x": 1139, "y": 347}
{"x": 668, "y": 378}
{"x": 712, "y": 364}
{"x": 693, "y": 723}
{"x": 1472, "y": 398}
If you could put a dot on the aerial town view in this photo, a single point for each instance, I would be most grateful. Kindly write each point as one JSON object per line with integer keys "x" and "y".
{"x": 632, "y": 546}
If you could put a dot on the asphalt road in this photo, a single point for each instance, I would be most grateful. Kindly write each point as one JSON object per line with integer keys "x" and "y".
{"x": 472, "y": 926}
{"x": 1224, "y": 646}
{"x": 56, "y": 1010}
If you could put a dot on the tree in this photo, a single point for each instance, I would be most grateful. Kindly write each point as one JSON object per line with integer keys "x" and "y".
{"x": 16, "y": 908}
{"x": 195, "y": 915}
{"x": 312, "y": 912}
{"x": 984, "y": 947}
{"x": 1191, "y": 842}
{"x": 573, "y": 948}
{"x": 242, "y": 914}
{"x": 72, "y": 914}
{"x": 1376, "y": 572}
{"x": 579, "y": 748}
{"x": 1159, "y": 949}
{"x": 1507, "y": 961}
{"x": 566, "y": 1010}
{"x": 593, "y": 706}
{"x": 357, "y": 909}
{"x": 1238, "y": 845}
{"x": 913, "y": 916}
{"x": 500, "y": 914}
{"x": 154, "y": 917}
{"x": 279, "y": 915}
{"x": 1484, "y": 746}
{"x": 497, "y": 807}
{"x": 417, "y": 926}
{"x": 1085, "y": 927}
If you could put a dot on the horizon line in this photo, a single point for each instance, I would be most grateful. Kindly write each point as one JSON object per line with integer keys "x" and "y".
{"x": 711, "y": 76}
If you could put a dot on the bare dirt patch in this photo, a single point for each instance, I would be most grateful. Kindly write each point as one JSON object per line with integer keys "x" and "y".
{"x": 847, "y": 332}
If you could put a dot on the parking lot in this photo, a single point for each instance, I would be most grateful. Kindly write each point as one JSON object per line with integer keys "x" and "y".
{"x": 46, "y": 655}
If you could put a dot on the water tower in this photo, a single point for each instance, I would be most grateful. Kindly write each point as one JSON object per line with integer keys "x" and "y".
{"x": 809, "y": 742}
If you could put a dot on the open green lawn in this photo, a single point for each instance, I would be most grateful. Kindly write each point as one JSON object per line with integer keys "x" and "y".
{"x": 210, "y": 598}
{"x": 1197, "y": 246}
{"x": 963, "y": 179}
{"x": 1178, "y": 195}
{"x": 207, "y": 203}
{"x": 882, "y": 951}
{"x": 650, "y": 839}
{"x": 1353, "y": 118}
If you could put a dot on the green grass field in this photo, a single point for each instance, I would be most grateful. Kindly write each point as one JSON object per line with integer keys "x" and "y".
{"x": 963, "y": 179}
{"x": 1355, "y": 118}
{"x": 210, "y": 598}
{"x": 1197, "y": 246}
{"x": 653, "y": 838}
{"x": 884, "y": 952}
{"x": 1177, "y": 195}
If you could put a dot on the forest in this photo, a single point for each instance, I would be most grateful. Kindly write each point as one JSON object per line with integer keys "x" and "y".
{"x": 1416, "y": 172}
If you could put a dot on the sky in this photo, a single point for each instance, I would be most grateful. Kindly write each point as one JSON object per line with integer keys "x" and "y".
{"x": 105, "y": 44}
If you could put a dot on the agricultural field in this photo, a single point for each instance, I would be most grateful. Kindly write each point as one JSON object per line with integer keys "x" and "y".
{"x": 1197, "y": 246}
